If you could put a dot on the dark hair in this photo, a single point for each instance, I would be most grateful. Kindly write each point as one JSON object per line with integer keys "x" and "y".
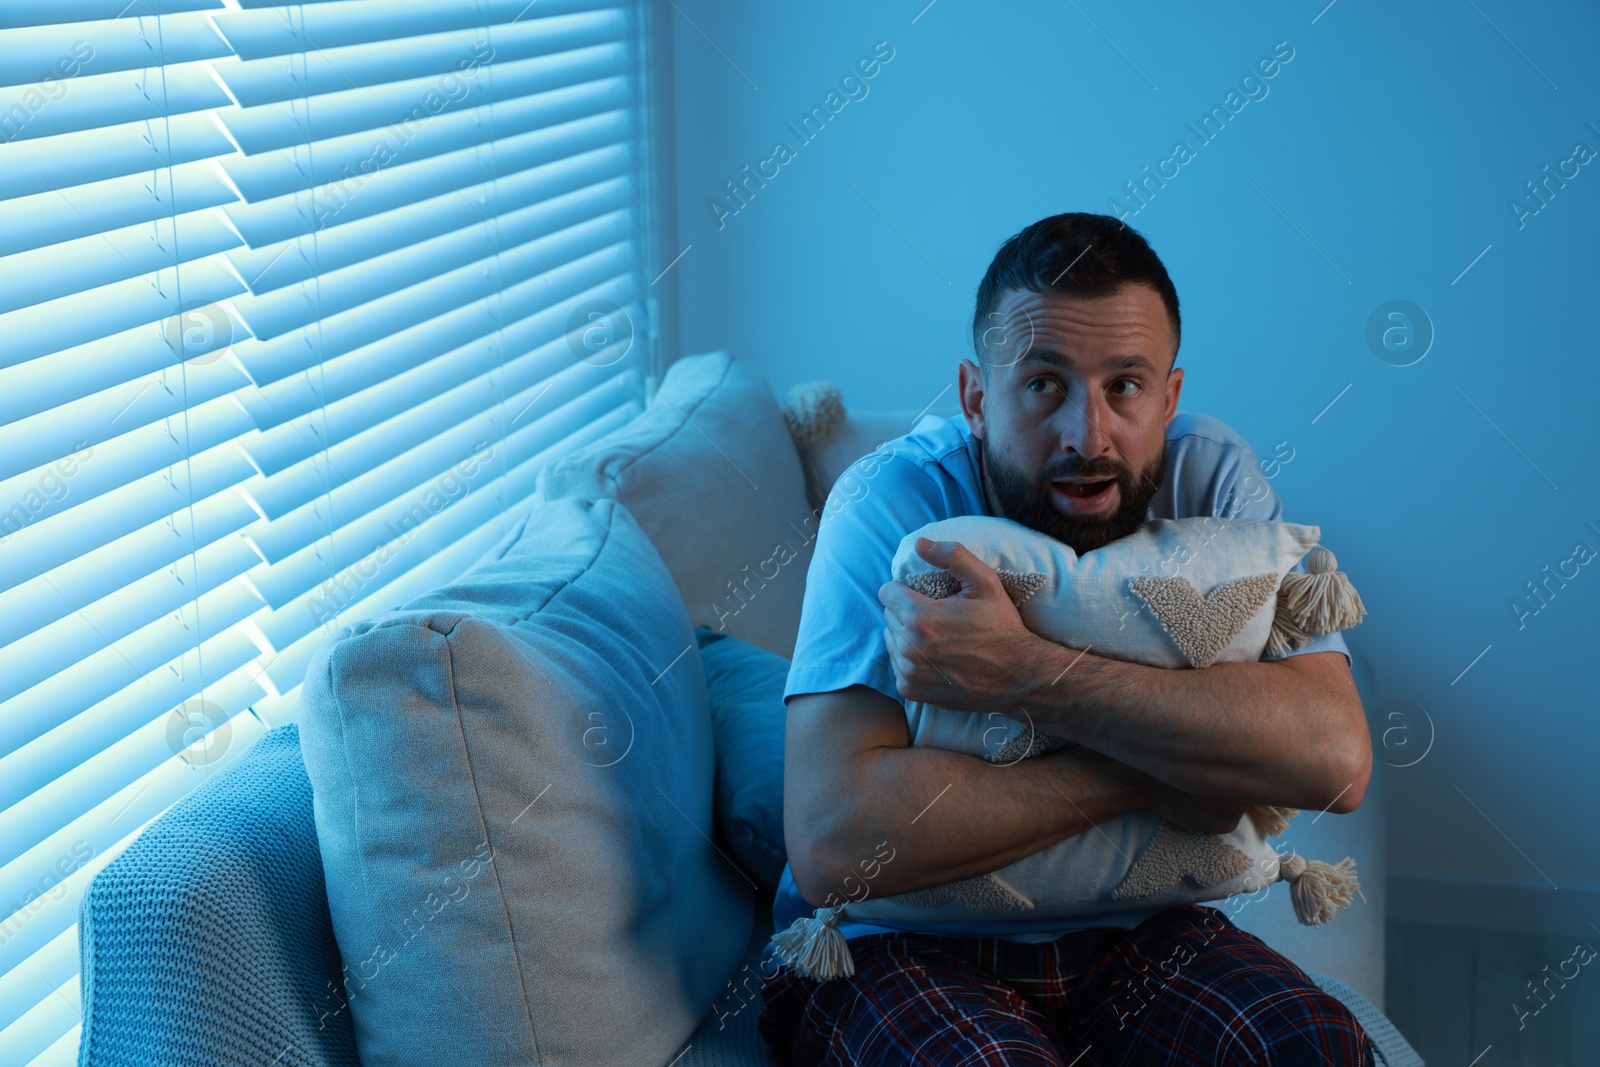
{"x": 1103, "y": 255}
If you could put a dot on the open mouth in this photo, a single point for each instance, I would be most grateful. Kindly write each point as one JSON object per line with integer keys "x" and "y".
{"x": 1084, "y": 496}
{"x": 1084, "y": 490}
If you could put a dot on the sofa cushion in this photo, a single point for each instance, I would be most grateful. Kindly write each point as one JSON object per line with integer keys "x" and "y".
{"x": 710, "y": 473}
{"x": 730, "y": 1034}
{"x": 513, "y": 779}
{"x": 744, "y": 685}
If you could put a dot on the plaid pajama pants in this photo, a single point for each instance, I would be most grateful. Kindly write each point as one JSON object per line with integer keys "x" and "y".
{"x": 1184, "y": 987}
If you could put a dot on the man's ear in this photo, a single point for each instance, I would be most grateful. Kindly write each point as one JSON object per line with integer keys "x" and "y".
{"x": 1174, "y": 387}
{"x": 971, "y": 388}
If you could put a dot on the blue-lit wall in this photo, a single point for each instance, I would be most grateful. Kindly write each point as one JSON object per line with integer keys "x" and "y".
{"x": 1382, "y": 162}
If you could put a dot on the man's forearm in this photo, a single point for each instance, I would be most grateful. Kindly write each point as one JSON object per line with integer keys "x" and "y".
{"x": 1287, "y": 732}
{"x": 944, "y": 815}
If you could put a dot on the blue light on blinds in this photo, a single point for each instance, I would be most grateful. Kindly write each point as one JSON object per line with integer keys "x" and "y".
{"x": 284, "y": 289}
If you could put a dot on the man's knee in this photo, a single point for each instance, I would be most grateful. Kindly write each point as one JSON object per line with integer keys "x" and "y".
{"x": 1192, "y": 969}
{"x": 902, "y": 1006}
{"x": 1298, "y": 1025}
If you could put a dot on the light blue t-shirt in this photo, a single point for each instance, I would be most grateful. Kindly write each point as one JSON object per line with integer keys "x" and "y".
{"x": 931, "y": 474}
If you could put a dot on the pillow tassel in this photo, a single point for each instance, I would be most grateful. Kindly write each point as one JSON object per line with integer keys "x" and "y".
{"x": 1319, "y": 889}
{"x": 1320, "y": 601}
{"x": 1286, "y": 632}
{"x": 1271, "y": 821}
{"x": 812, "y": 410}
{"x": 813, "y": 947}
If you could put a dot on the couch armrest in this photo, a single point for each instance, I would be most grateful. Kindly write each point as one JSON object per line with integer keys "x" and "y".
{"x": 208, "y": 941}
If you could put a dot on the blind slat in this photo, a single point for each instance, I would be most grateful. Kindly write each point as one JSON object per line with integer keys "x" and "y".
{"x": 36, "y": 445}
{"x": 280, "y": 357}
{"x": 274, "y": 80}
{"x": 297, "y": 214}
{"x": 65, "y": 634}
{"x": 379, "y": 382}
{"x": 70, "y": 742}
{"x": 157, "y": 498}
{"x": 27, "y": 54}
{"x": 74, "y": 375}
{"x": 355, "y": 155}
{"x": 58, "y": 12}
{"x": 257, "y": 34}
{"x": 92, "y": 314}
{"x": 29, "y": 222}
{"x": 43, "y": 1024}
{"x": 108, "y": 257}
{"x": 52, "y": 965}
{"x": 590, "y": 187}
{"x": 56, "y": 163}
{"x": 110, "y": 99}
{"x": 404, "y": 104}
{"x": 461, "y": 422}
{"x": 534, "y": 233}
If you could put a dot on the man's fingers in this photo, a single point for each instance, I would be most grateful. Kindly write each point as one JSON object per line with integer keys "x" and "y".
{"x": 955, "y": 557}
{"x": 899, "y": 660}
{"x": 900, "y": 600}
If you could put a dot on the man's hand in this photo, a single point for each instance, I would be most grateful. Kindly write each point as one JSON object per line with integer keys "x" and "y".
{"x": 965, "y": 652}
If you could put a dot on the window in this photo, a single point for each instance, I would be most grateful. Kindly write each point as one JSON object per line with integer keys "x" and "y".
{"x": 295, "y": 302}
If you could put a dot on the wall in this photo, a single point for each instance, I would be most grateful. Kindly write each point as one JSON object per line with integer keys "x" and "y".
{"x": 1381, "y": 162}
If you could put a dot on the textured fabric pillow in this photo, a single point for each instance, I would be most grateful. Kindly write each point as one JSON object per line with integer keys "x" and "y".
{"x": 744, "y": 685}
{"x": 512, "y": 780}
{"x": 1175, "y": 593}
{"x": 712, "y": 476}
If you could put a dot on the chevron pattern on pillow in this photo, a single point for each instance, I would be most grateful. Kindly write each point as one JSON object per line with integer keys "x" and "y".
{"x": 1205, "y": 625}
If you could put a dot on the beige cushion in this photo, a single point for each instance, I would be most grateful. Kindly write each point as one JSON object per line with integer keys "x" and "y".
{"x": 830, "y": 437}
{"x": 711, "y": 475}
{"x": 858, "y": 433}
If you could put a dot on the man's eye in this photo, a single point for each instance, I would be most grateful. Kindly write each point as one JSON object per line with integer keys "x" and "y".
{"x": 1034, "y": 381}
{"x": 1128, "y": 381}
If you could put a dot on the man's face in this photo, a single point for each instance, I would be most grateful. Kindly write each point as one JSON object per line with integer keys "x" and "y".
{"x": 1072, "y": 417}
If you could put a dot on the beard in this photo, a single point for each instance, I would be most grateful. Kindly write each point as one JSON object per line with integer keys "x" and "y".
{"x": 1028, "y": 499}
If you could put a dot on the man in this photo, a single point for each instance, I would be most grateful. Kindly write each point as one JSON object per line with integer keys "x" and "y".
{"x": 1072, "y": 428}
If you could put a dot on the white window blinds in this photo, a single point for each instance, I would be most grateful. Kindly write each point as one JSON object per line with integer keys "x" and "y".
{"x": 295, "y": 301}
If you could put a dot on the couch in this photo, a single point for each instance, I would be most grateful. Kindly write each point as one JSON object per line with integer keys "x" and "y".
{"x": 210, "y": 939}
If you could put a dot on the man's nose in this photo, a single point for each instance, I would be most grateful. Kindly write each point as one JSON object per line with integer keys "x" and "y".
{"x": 1085, "y": 425}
